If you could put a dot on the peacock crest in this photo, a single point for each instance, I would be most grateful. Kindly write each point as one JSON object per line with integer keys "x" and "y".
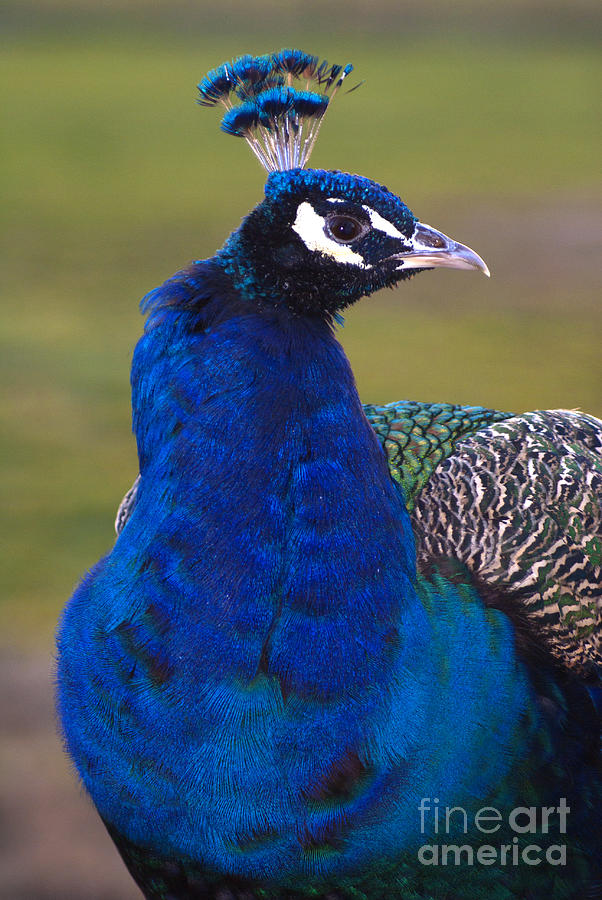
{"x": 276, "y": 102}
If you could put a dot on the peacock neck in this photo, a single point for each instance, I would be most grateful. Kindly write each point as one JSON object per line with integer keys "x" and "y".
{"x": 258, "y": 463}
{"x": 256, "y": 636}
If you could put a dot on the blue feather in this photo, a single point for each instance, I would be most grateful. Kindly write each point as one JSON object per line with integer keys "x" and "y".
{"x": 256, "y": 685}
{"x": 241, "y": 119}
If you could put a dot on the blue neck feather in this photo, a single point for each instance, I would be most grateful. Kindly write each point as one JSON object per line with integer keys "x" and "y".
{"x": 258, "y": 624}
{"x": 251, "y": 431}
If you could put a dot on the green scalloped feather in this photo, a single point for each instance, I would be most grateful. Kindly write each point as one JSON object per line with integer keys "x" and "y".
{"x": 417, "y": 436}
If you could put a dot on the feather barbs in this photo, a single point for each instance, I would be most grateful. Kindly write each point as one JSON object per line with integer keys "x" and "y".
{"x": 279, "y": 121}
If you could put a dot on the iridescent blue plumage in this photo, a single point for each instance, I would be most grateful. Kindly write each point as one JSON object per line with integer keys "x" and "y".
{"x": 241, "y": 119}
{"x": 257, "y": 688}
{"x": 280, "y": 122}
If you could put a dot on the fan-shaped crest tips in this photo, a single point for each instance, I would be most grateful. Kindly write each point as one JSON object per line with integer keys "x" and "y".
{"x": 276, "y": 102}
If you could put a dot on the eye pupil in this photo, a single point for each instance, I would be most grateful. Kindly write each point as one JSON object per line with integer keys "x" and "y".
{"x": 344, "y": 228}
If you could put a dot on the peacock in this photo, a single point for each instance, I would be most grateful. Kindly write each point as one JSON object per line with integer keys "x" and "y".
{"x": 337, "y": 651}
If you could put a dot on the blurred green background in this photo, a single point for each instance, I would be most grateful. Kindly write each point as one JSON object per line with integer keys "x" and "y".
{"x": 481, "y": 116}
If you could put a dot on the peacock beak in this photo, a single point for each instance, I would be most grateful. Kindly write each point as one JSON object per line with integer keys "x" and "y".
{"x": 431, "y": 248}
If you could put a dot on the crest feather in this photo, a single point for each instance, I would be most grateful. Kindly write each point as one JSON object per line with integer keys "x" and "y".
{"x": 279, "y": 121}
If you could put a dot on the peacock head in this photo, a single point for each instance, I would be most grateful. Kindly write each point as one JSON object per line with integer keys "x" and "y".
{"x": 320, "y": 240}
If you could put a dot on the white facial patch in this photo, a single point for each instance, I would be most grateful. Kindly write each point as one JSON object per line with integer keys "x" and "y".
{"x": 311, "y": 229}
{"x": 381, "y": 224}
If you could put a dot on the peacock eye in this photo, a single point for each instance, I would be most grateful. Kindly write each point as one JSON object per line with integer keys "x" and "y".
{"x": 344, "y": 229}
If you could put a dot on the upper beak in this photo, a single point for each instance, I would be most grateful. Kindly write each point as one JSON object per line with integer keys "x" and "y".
{"x": 430, "y": 248}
